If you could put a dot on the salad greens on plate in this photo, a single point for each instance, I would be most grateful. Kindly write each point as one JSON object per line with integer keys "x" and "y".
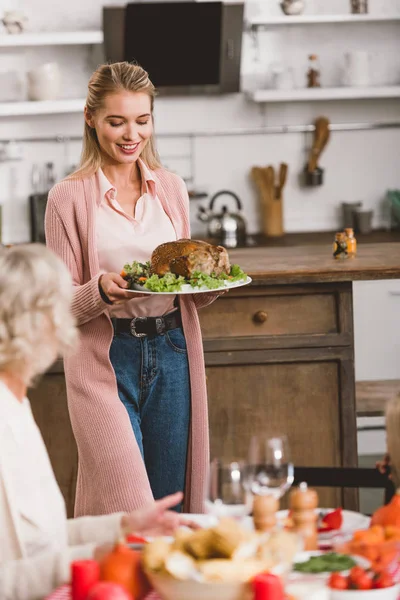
{"x": 138, "y": 273}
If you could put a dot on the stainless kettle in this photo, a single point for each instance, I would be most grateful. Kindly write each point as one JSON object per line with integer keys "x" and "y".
{"x": 226, "y": 228}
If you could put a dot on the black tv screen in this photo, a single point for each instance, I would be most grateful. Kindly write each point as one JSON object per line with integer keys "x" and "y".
{"x": 178, "y": 43}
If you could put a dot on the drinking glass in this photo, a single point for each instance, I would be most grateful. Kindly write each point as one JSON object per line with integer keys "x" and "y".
{"x": 227, "y": 494}
{"x": 270, "y": 470}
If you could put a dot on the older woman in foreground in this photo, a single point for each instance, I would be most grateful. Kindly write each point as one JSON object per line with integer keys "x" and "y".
{"x": 37, "y": 541}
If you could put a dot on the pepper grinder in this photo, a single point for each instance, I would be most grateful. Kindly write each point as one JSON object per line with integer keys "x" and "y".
{"x": 303, "y": 501}
{"x": 264, "y": 512}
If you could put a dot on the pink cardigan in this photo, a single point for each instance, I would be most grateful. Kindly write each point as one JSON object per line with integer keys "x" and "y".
{"x": 111, "y": 474}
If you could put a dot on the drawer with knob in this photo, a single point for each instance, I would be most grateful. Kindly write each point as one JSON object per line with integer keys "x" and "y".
{"x": 273, "y": 311}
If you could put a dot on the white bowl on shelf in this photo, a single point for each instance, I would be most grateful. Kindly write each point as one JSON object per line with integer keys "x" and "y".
{"x": 292, "y": 7}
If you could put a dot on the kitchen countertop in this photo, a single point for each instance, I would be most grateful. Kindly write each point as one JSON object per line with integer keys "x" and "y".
{"x": 314, "y": 263}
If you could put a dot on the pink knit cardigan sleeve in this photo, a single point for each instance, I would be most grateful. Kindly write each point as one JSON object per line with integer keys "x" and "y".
{"x": 87, "y": 302}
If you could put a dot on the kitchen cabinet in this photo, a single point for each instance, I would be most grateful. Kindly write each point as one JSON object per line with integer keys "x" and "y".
{"x": 281, "y": 361}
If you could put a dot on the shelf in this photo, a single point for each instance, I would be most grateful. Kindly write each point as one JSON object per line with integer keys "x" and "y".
{"x": 319, "y": 94}
{"x": 319, "y": 19}
{"x": 47, "y": 38}
{"x": 19, "y": 109}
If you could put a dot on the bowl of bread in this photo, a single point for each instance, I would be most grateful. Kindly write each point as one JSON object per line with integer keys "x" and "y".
{"x": 217, "y": 563}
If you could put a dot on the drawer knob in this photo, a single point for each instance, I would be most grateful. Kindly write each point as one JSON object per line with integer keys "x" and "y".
{"x": 260, "y": 316}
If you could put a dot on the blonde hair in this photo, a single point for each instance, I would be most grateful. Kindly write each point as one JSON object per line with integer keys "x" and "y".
{"x": 36, "y": 323}
{"x": 106, "y": 80}
{"x": 393, "y": 437}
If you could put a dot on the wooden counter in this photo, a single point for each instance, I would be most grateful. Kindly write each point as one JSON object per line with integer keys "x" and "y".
{"x": 279, "y": 359}
{"x": 315, "y": 263}
{"x": 280, "y": 354}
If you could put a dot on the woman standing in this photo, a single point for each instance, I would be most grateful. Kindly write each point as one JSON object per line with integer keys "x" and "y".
{"x": 136, "y": 387}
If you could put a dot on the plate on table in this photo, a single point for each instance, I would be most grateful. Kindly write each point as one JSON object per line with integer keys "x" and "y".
{"x": 352, "y": 521}
{"x": 304, "y": 557}
{"x": 188, "y": 289}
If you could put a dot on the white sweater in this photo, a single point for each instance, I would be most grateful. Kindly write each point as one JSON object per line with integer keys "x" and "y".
{"x": 37, "y": 542}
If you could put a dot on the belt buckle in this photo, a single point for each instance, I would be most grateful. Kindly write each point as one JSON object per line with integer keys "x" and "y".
{"x": 133, "y": 327}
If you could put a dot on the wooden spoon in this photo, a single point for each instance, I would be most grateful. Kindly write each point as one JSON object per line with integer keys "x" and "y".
{"x": 283, "y": 169}
{"x": 321, "y": 137}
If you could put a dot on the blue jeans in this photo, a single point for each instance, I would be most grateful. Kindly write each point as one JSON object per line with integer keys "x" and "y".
{"x": 153, "y": 384}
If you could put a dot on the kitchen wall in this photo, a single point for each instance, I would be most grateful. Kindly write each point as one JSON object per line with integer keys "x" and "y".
{"x": 359, "y": 165}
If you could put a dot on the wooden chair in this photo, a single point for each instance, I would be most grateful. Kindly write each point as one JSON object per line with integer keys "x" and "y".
{"x": 345, "y": 477}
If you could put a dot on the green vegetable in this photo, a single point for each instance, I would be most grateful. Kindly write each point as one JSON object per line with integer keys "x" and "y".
{"x": 170, "y": 283}
{"x": 331, "y": 562}
{"x": 237, "y": 274}
{"x": 209, "y": 281}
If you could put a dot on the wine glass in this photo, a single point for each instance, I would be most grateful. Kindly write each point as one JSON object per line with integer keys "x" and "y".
{"x": 270, "y": 470}
{"x": 227, "y": 494}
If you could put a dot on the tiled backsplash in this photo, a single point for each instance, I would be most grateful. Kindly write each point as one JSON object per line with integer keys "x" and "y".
{"x": 359, "y": 165}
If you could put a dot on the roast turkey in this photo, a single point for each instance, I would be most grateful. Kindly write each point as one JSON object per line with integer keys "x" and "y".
{"x": 184, "y": 257}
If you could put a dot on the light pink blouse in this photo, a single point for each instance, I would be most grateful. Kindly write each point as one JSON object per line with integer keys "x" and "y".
{"x": 122, "y": 239}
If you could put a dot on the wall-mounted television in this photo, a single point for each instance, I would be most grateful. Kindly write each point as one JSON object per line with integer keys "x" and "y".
{"x": 186, "y": 47}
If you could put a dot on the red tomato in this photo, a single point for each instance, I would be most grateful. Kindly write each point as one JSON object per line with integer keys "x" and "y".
{"x": 332, "y": 520}
{"x": 135, "y": 539}
{"x": 338, "y": 581}
{"x": 355, "y": 574}
{"x": 105, "y": 590}
{"x": 362, "y": 582}
{"x": 383, "y": 580}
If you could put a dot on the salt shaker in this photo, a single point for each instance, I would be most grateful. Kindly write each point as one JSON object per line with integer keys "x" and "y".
{"x": 351, "y": 242}
{"x": 303, "y": 501}
{"x": 264, "y": 512}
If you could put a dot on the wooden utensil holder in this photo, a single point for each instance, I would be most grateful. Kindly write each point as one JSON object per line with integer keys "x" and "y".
{"x": 273, "y": 217}
{"x": 271, "y": 202}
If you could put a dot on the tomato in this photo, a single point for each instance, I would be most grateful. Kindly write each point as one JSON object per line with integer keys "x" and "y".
{"x": 135, "y": 539}
{"x": 338, "y": 582}
{"x": 362, "y": 582}
{"x": 105, "y": 590}
{"x": 332, "y": 520}
{"x": 355, "y": 574}
{"x": 383, "y": 580}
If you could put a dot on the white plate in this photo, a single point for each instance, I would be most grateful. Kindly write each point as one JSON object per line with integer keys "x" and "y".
{"x": 188, "y": 289}
{"x": 352, "y": 521}
{"x": 305, "y": 556}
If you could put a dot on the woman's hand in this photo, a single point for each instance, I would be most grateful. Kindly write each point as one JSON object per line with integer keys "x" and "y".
{"x": 114, "y": 286}
{"x": 156, "y": 519}
{"x": 383, "y": 466}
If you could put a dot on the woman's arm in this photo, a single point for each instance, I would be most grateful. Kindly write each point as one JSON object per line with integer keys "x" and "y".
{"x": 100, "y": 530}
{"x": 154, "y": 519}
{"x": 203, "y": 300}
{"x": 87, "y": 302}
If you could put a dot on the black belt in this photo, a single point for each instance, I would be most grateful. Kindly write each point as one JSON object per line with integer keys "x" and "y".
{"x": 151, "y": 326}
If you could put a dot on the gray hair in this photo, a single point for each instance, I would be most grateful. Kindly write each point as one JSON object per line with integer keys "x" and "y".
{"x": 36, "y": 323}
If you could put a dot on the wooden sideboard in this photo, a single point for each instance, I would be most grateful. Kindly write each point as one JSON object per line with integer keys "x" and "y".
{"x": 279, "y": 359}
